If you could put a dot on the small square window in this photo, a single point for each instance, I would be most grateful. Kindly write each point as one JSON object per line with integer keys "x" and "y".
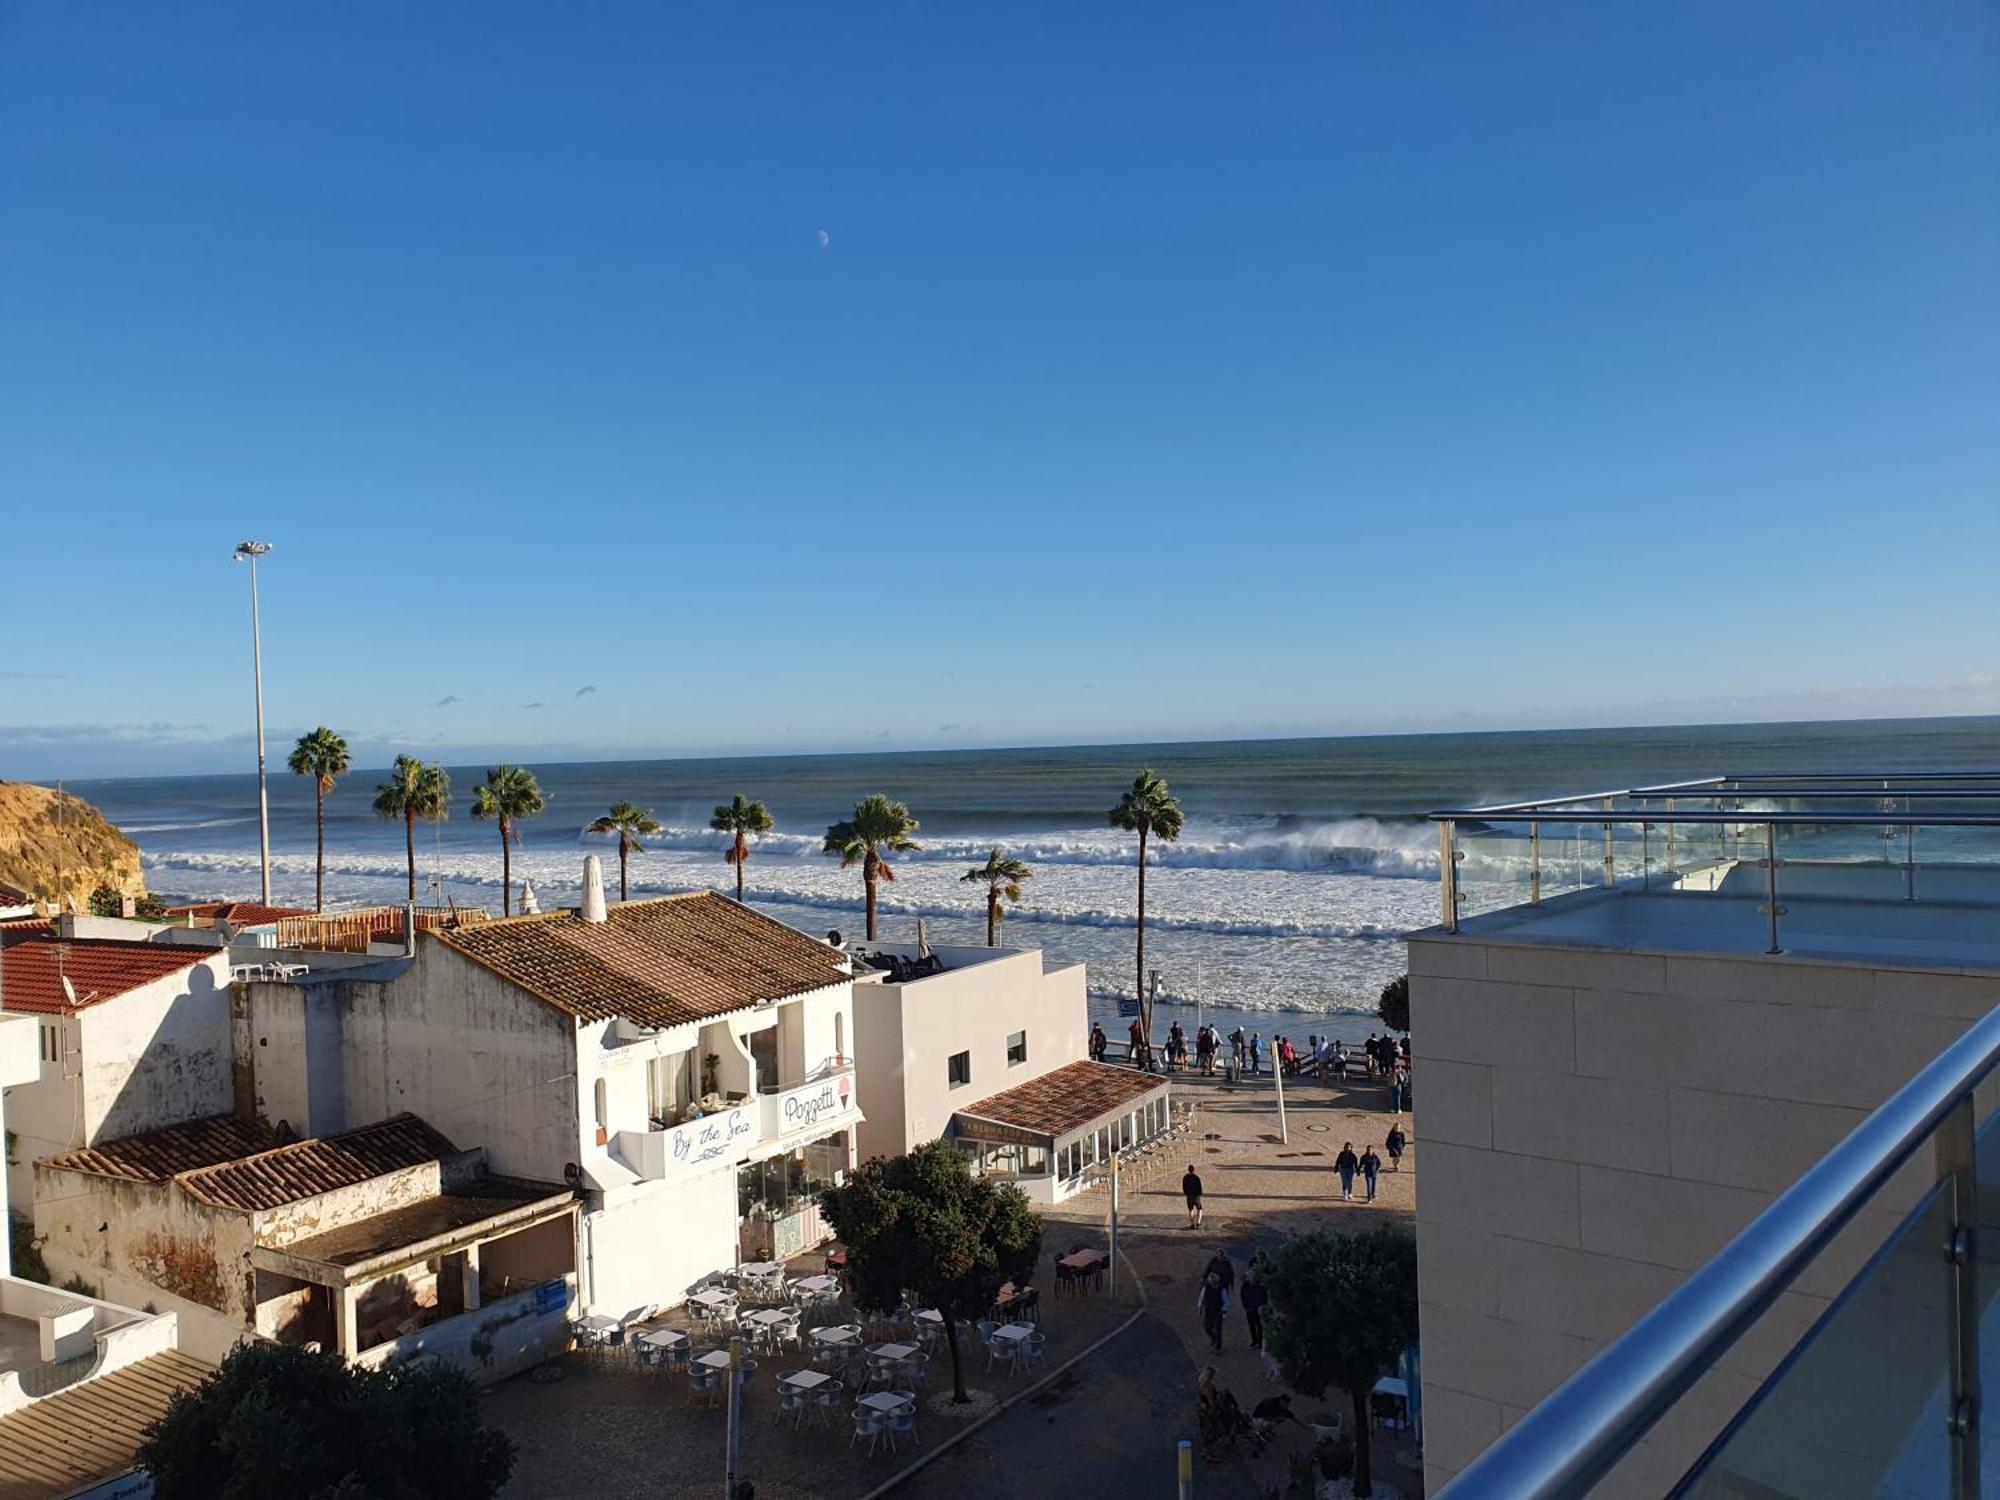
{"x": 958, "y": 1069}
{"x": 1017, "y": 1048}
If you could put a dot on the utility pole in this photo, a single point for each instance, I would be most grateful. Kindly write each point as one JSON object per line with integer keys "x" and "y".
{"x": 1278, "y": 1077}
{"x": 249, "y": 552}
{"x": 1114, "y": 1226}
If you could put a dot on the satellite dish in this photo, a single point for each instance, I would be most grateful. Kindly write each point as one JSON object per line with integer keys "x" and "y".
{"x": 69, "y": 992}
{"x": 572, "y": 1173}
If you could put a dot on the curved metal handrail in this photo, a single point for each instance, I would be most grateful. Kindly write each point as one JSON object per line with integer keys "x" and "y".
{"x": 1578, "y": 1434}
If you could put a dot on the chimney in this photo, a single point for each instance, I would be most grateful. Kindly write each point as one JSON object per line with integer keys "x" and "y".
{"x": 593, "y": 889}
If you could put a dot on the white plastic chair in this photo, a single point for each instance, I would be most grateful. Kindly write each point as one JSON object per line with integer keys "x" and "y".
{"x": 866, "y": 1425}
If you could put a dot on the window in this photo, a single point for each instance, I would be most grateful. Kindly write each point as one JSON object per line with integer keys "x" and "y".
{"x": 839, "y": 1037}
{"x": 601, "y": 1099}
{"x": 958, "y": 1069}
{"x": 1017, "y": 1048}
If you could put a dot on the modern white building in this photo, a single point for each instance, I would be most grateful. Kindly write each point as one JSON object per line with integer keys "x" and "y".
{"x": 987, "y": 1048}
{"x": 1619, "y": 1076}
{"x": 685, "y": 1063}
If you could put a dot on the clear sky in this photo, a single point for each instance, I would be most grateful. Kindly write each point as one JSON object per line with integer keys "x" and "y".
{"x": 646, "y": 378}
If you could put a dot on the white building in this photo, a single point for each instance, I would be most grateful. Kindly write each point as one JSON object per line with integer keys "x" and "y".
{"x": 79, "y": 1377}
{"x": 987, "y": 1048}
{"x": 130, "y": 1036}
{"x": 684, "y": 1062}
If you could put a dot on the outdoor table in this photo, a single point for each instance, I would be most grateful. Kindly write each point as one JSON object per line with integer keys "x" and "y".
{"x": 769, "y": 1316}
{"x": 664, "y": 1338}
{"x": 882, "y": 1401}
{"x": 760, "y": 1270}
{"x": 599, "y": 1327}
{"x": 1082, "y": 1260}
{"x": 893, "y": 1351}
{"x": 837, "y": 1333}
{"x": 1013, "y": 1332}
{"x": 716, "y": 1359}
{"x": 713, "y": 1299}
{"x": 819, "y": 1284}
{"x": 930, "y": 1315}
{"x": 806, "y": 1380}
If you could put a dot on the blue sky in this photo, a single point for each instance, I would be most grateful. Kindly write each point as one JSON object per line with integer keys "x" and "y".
{"x": 633, "y": 379}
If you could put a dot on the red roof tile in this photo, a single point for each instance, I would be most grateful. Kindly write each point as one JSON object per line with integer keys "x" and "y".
{"x": 32, "y": 970}
{"x": 303, "y": 1169}
{"x": 238, "y": 913}
{"x": 1068, "y": 1098}
{"x": 159, "y": 1154}
{"x": 659, "y": 963}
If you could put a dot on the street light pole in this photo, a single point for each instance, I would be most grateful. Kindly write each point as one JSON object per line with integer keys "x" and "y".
{"x": 249, "y": 552}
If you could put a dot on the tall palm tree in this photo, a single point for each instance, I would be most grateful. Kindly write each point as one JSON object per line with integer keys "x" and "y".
{"x": 414, "y": 790}
{"x": 1150, "y": 811}
{"x": 321, "y": 755}
{"x": 745, "y": 820}
{"x": 630, "y": 824}
{"x": 1002, "y": 876}
{"x": 878, "y": 827}
{"x": 511, "y": 793}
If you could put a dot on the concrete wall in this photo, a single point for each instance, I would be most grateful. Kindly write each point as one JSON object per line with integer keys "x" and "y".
{"x": 653, "y": 1241}
{"x": 500, "y": 1339}
{"x": 1593, "y": 1125}
{"x": 906, "y": 1032}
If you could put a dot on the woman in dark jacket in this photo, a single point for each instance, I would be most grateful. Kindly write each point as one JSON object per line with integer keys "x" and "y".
{"x": 1212, "y": 1303}
{"x": 1255, "y": 1298}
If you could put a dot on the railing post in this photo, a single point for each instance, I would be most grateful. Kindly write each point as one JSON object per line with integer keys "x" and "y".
{"x": 1534, "y": 864}
{"x": 1645, "y": 856}
{"x": 1670, "y": 841}
{"x": 1770, "y": 863}
{"x": 1609, "y": 867}
{"x": 1909, "y": 858}
{"x": 1957, "y": 1159}
{"x": 1448, "y": 872}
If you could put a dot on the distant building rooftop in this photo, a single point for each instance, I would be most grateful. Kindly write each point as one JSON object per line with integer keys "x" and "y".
{"x": 238, "y": 914}
{"x": 1060, "y": 1102}
{"x": 656, "y": 963}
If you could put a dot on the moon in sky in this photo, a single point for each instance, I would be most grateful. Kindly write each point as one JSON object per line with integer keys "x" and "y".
{"x": 825, "y": 239}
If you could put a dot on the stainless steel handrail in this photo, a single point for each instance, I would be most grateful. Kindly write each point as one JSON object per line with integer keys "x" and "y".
{"x": 1637, "y": 815}
{"x": 1578, "y": 1434}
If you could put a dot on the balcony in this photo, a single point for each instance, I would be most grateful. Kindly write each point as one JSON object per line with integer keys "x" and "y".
{"x": 693, "y": 1146}
{"x": 820, "y": 1104}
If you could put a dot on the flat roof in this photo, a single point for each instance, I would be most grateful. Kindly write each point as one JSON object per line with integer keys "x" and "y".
{"x": 1060, "y": 1102}
{"x": 417, "y": 1224}
{"x": 1838, "y": 912}
{"x": 90, "y": 1432}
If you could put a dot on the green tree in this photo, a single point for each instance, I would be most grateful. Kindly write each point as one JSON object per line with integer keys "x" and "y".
{"x": 1343, "y": 1310}
{"x": 743, "y": 821}
{"x": 321, "y": 755}
{"x": 1394, "y": 1006}
{"x": 1002, "y": 876}
{"x": 630, "y": 824}
{"x": 511, "y": 793}
{"x": 878, "y": 827}
{"x": 1150, "y": 811}
{"x": 414, "y": 790}
{"x": 275, "y": 1419}
{"x": 923, "y": 1226}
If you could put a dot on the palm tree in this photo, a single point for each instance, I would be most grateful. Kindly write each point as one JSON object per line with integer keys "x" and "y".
{"x": 1147, "y": 810}
{"x": 630, "y": 824}
{"x": 321, "y": 755}
{"x": 510, "y": 794}
{"x": 744, "y": 820}
{"x": 1002, "y": 876}
{"x": 414, "y": 790}
{"x": 878, "y": 827}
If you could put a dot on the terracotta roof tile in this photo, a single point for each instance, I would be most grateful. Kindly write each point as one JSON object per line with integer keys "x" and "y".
{"x": 238, "y": 913}
{"x": 91, "y": 1431}
{"x": 159, "y": 1154}
{"x": 658, "y": 963}
{"x": 32, "y": 970}
{"x": 303, "y": 1169}
{"x": 1068, "y": 1098}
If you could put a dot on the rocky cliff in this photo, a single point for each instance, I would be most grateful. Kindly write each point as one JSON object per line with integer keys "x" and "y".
{"x": 44, "y": 850}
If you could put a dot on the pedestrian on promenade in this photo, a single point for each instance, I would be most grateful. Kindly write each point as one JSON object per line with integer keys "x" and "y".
{"x": 1142, "y": 1054}
{"x": 1398, "y": 1081}
{"x": 1097, "y": 1042}
{"x": 1394, "y": 1146}
{"x": 1191, "y": 1190}
{"x": 1220, "y": 1265}
{"x": 1256, "y": 1054}
{"x": 1340, "y": 1062}
{"x": 1237, "y": 1047}
{"x": 1371, "y": 1167}
{"x": 1344, "y": 1164}
{"x": 1254, "y": 1298}
{"x": 1212, "y": 1301}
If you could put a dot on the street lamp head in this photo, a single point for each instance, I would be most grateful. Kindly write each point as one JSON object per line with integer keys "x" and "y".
{"x": 251, "y": 549}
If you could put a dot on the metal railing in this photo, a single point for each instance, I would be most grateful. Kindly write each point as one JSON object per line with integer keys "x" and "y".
{"x": 1902, "y": 803}
{"x": 1581, "y": 1432}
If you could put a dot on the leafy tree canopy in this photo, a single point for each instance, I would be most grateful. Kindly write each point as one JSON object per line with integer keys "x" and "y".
{"x": 1394, "y": 1006}
{"x": 279, "y": 1420}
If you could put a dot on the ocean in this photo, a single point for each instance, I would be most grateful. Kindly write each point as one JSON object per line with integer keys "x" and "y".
{"x": 1281, "y": 907}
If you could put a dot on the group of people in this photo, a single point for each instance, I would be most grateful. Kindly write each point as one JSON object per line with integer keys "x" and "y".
{"x": 1323, "y": 1058}
{"x": 1368, "y": 1163}
{"x": 1218, "y": 1282}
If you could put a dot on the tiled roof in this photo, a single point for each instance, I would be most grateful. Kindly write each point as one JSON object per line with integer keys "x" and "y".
{"x": 160, "y": 1154}
{"x": 658, "y": 963}
{"x": 12, "y": 895}
{"x": 238, "y": 913}
{"x": 271, "y": 1179}
{"x": 32, "y": 970}
{"x": 91, "y": 1431}
{"x": 1068, "y": 1098}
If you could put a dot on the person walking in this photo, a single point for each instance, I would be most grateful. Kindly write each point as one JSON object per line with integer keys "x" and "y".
{"x": 1191, "y": 1190}
{"x": 1394, "y": 1146}
{"x": 1237, "y": 1047}
{"x": 1397, "y": 1079}
{"x": 1340, "y": 1062}
{"x": 1220, "y": 1265}
{"x": 1254, "y": 1299}
{"x": 1256, "y": 1054}
{"x": 1097, "y": 1042}
{"x": 1371, "y": 1167}
{"x": 1212, "y": 1302}
{"x": 1345, "y": 1164}
{"x": 1138, "y": 1036}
